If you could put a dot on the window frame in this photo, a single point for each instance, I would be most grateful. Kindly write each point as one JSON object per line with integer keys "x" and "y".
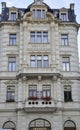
{"x": 10, "y": 95}
{"x": 11, "y": 64}
{"x": 39, "y": 37}
{"x": 13, "y": 16}
{"x": 64, "y": 17}
{"x": 67, "y": 93}
{"x": 39, "y": 13}
{"x": 12, "y": 39}
{"x": 46, "y": 92}
{"x": 64, "y": 39}
{"x": 39, "y": 61}
{"x": 32, "y": 92}
{"x": 66, "y": 63}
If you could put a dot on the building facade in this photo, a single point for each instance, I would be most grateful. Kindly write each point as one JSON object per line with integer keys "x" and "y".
{"x": 39, "y": 68}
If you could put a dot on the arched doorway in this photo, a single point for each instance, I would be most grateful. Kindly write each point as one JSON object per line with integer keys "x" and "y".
{"x": 9, "y": 125}
{"x": 39, "y": 124}
{"x": 69, "y": 125}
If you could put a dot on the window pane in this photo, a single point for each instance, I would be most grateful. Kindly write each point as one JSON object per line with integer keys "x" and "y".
{"x": 45, "y": 37}
{"x": 63, "y": 17}
{"x": 39, "y": 61}
{"x": 67, "y": 93}
{"x": 39, "y": 37}
{"x": 32, "y": 91}
{"x": 66, "y": 64}
{"x": 32, "y": 61}
{"x": 45, "y": 62}
{"x": 32, "y": 37}
{"x": 13, "y": 16}
{"x": 10, "y": 93}
{"x": 64, "y": 38}
{"x": 43, "y": 14}
{"x": 12, "y": 39}
{"x": 12, "y": 64}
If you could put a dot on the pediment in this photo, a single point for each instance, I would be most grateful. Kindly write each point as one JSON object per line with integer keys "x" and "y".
{"x": 11, "y": 82}
{"x": 13, "y": 8}
{"x": 63, "y": 9}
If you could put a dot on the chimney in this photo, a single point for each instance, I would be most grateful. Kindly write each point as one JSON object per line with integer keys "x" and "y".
{"x": 72, "y": 6}
{"x": 3, "y": 5}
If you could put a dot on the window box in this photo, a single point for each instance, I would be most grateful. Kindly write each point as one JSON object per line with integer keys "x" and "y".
{"x": 12, "y": 100}
{"x": 32, "y": 98}
{"x": 46, "y": 98}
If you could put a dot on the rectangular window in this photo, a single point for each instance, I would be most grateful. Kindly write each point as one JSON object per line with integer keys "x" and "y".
{"x": 39, "y": 37}
{"x": 39, "y": 61}
{"x": 13, "y": 16}
{"x": 38, "y": 13}
{"x": 66, "y": 63}
{"x": 33, "y": 61}
{"x": 10, "y": 94}
{"x": 45, "y": 61}
{"x": 45, "y": 37}
{"x": 32, "y": 37}
{"x": 32, "y": 92}
{"x": 67, "y": 93}
{"x": 11, "y": 64}
{"x": 64, "y": 39}
{"x": 46, "y": 92}
{"x": 12, "y": 39}
{"x": 63, "y": 17}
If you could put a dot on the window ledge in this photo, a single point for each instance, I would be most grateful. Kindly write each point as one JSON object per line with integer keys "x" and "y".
{"x": 33, "y": 43}
{"x": 12, "y": 45}
{"x": 10, "y": 101}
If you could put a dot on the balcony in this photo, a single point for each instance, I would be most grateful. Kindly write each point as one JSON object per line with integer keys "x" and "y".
{"x": 40, "y": 105}
{"x": 43, "y": 72}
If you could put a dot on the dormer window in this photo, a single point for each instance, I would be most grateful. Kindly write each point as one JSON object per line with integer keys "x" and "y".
{"x": 13, "y": 16}
{"x": 63, "y": 16}
{"x": 39, "y": 13}
{"x": 38, "y": 1}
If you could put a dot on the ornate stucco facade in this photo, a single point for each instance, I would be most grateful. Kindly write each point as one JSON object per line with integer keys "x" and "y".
{"x": 39, "y": 68}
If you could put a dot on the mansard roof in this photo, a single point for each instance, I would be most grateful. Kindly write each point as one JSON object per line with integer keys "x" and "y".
{"x": 5, "y": 12}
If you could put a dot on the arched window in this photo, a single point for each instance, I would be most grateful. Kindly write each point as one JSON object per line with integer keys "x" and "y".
{"x": 39, "y": 124}
{"x": 69, "y": 125}
{"x": 9, "y": 125}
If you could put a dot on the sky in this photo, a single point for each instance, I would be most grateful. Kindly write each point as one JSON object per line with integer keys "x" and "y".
{"x": 53, "y": 4}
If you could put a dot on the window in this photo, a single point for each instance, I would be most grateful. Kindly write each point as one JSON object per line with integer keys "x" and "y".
{"x": 32, "y": 37}
{"x": 45, "y": 61}
{"x": 11, "y": 64}
{"x": 39, "y": 61}
{"x": 67, "y": 93}
{"x": 66, "y": 63}
{"x": 64, "y": 39}
{"x": 10, "y": 93}
{"x": 13, "y": 16}
{"x": 46, "y": 93}
{"x": 33, "y": 61}
{"x": 45, "y": 37}
{"x": 63, "y": 17}
{"x": 39, "y": 37}
{"x": 38, "y": 13}
{"x": 12, "y": 39}
{"x": 32, "y": 92}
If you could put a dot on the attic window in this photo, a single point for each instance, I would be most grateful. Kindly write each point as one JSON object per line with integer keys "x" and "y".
{"x": 63, "y": 16}
{"x": 38, "y": 13}
{"x": 13, "y": 16}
